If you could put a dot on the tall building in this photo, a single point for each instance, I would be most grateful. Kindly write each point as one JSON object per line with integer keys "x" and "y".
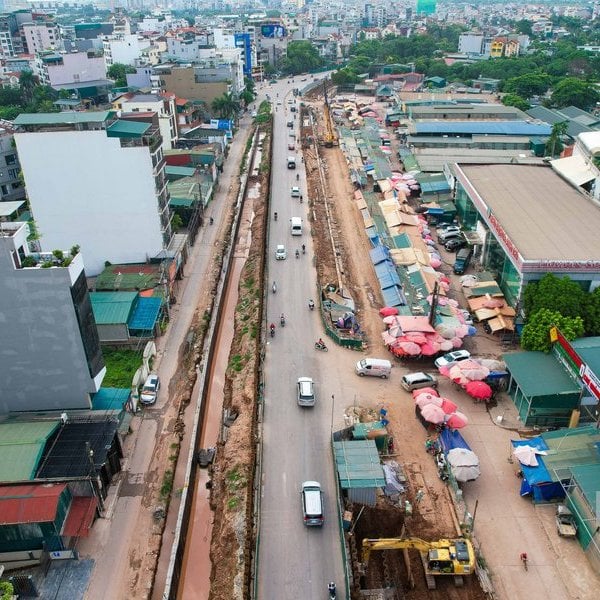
{"x": 53, "y": 360}
{"x": 41, "y": 36}
{"x": 96, "y": 181}
{"x": 11, "y": 188}
{"x": 426, "y": 7}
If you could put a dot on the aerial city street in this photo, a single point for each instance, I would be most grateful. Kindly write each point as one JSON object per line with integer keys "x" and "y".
{"x": 300, "y": 300}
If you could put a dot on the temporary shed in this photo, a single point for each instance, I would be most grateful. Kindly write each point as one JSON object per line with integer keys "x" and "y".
{"x": 543, "y": 392}
{"x": 359, "y": 470}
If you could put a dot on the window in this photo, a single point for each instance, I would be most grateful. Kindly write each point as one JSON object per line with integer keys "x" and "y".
{"x": 13, "y": 173}
{"x": 4, "y": 190}
{"x": 11, "y": 159}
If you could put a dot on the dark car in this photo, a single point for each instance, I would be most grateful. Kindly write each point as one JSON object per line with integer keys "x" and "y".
{"x": 454, "y": 244}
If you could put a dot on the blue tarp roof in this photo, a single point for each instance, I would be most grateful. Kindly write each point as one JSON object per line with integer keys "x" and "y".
{"x": 145, "y": 314}
{"x": 482, "y": 127}
{"x": 452, "y": 439}
{"x": 393, "y": 296}
{"x": 387, "y": 275}
{"x": 379, "y": 254}
{"x": 539, "y": 474}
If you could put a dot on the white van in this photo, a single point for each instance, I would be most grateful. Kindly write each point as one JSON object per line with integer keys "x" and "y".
{"x": 375, "y": 367}
{"x": 312, "y": 504}
{"x": 418, "y": 380}
{"x": 296, "y": 225}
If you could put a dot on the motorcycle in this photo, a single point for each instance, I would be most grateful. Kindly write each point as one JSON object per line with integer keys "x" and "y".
{"x": 332, "y": 591}
{"x": 311, "y": 305}
{"x": 275, "y": 216}
{"x": 297, "y": 176}
{"x": 297, "y": 254}
{"x": 282, "y": 320}
{"x": 272, "y": 330}
{"x": 321, "y": 346}
{"x": 303, "y": 249}
{"x": 274, "y": 288}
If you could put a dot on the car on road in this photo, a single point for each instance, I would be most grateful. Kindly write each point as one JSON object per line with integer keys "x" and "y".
{"x": 452, "y": 357}
{"x": 295, "y": 192}
{"x": 312, "y": 504}
{"x": 280, "y": 252}
{"x": 306, "y": 391}
{"x": 454, "y": 244}
{"x": 290, "y": 124}
{"x": 291, "y": 146}
{"x": 150, "y": 390}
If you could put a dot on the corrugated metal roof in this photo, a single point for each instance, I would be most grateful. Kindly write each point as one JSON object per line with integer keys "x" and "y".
{"x": 29, "y": 503}
{"x": 110, "y": 398}
{"x": 182, "y": 171}
{"x": 66, "y": 117}
{"x": 80, "y": 517}
{"x": 358, "y": 464}
{"x": 21, "y": 446}
{"x": 539, "y": 374}
{"x": 127, "y": 129}
{"x": 145, "y": 314}
{"x": 112, "y": 307}
{"x": 475, "y": 127}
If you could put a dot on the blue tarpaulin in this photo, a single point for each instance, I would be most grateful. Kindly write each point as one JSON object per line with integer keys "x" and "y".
{"x": 379, "y": 254}
{"x": 387, "y": 275}
{"x": 393, "y": 296}
{"x": 452, "y": 439}
{"x": 537, "y": 481}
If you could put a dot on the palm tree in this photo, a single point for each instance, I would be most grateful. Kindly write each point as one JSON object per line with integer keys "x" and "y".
{"x": 226, "y": 106}
{"x": 27, "y": 82}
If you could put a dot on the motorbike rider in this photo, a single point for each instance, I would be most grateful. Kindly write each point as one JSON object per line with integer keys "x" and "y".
{"x": 297, "y": 176}
{"x": 282, "y": 318}
{"x": 272, "y": 326}
{"x": 331, "y": 589}
{"x": 303, "y": 248}
{"x": 275, "y": 215}
{"x": 311, "y": 304}
{"x": 297, "y": 253}
{"x": 320, "y": 342}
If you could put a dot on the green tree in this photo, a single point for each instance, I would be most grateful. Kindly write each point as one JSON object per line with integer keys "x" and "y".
{"x": 301, "y": 56}
{"x": 6, "y": 590}
{"x": 118, "y": 72}
{"x": 554, "y": 145}
{"x": 246, "y": 97}
{"x": 523, "y": 26}
{"x": 527, "y": 85}
{"x": 226, "y": 106}
{"x": 27, "y": 84}
{"x": 536, "y": 332}
{"x": 575, "y": 92}
{"x": 344, "y": 76}
{"x": 559, "y": 294}
{"x": 591, "y": 312}
{"x": 516, "y": 101}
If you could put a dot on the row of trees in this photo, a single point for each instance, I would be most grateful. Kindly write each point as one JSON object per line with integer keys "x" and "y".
{"x": 570, "y": 73}
{"x": 555, "y": 302}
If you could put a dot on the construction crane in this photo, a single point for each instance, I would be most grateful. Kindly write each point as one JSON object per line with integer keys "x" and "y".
{"x": 329, "y": 138}
{"x": 440, "y": 558}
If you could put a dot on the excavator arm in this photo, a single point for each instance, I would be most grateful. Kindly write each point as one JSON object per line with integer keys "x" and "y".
{"x": 368, "y": 545}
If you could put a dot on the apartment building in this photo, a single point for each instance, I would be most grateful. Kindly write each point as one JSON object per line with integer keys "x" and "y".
{"x": 41, "y": 36}
{"x": 97, "y": 181}
{"x": 11, "y": 188}
{"x": 54, "y": 360}
{"x": 121, "y": 48}
{"x": 63, "y": 69}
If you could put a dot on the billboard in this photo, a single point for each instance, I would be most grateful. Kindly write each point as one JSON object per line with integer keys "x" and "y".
{"x": 273, "y": 31}
{"x": 223, "y": 124}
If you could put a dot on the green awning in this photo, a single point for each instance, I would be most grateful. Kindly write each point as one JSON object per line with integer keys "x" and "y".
{"x": 181, "y": 202}
{"x": 127, "y": 129}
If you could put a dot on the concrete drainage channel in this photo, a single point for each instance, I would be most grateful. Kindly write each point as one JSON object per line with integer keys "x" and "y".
{"x": 177, "y": 552}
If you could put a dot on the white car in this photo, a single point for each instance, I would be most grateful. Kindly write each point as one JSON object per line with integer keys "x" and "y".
{"x": 280, "y": 252}
{"x": 467, "y": 316}
{"x": 150, "y": 389}
{"x": 295, "y": 192}
{"x": 452, "y": 357}
{"x": 306, "y": 391}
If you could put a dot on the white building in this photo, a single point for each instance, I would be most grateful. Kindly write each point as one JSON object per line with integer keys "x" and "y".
{"x": 123, "y": 49}
{"x": 41, "y": 36}
{"x": 163, "y": 105}
{"x": 471, "y": 43}
{"x": 68, "y": 68}
{"x": 98, "y": 182}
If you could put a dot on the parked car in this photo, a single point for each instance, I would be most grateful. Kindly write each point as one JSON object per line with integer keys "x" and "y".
{"x": 467, "y": 316}
{"x": 418, "y": 380}
{"x": 150, "y": 390}
{"x": 280, "y": 252}
{"x": 452, "y": 357}
{"x": 565, "y": 522}
{"x": 448, "y": 226}
{"x": 291, "y": 146}
{"x": 446, "y": 236}
{"x": 290, "y": 124}
{"x": 454, "y": 244}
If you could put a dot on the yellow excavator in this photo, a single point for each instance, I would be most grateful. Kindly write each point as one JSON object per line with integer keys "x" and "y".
{"x": 440, "y": 558}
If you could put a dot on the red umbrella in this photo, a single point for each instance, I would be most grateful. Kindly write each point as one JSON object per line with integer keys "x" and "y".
{"x": 423, "y": 400}
{"x": 426, "y": 390}
{"x": 388, "y": 311}
{"x": 448, "y": 406}
{"x": 457, "y": 420}
{"x": 432, "y": 413}
{"x": 479, "y": 390}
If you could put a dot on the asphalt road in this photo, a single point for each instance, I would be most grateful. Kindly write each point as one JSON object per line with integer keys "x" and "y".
{"x": 295, "y": 561}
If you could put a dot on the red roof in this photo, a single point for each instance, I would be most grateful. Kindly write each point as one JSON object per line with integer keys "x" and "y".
{"x": 181, "y": 101}
{"x": 80, "y": 517}
{"x": 29, "y": 503}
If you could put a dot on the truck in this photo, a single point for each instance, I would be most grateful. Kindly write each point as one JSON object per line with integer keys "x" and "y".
{"x": 291, "y": 162}
{"x": 463, "y": 258}
{"x": 565, "y": 522}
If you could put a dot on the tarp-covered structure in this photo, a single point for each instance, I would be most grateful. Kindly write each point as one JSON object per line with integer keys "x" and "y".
{"x": 359, "y": 470}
